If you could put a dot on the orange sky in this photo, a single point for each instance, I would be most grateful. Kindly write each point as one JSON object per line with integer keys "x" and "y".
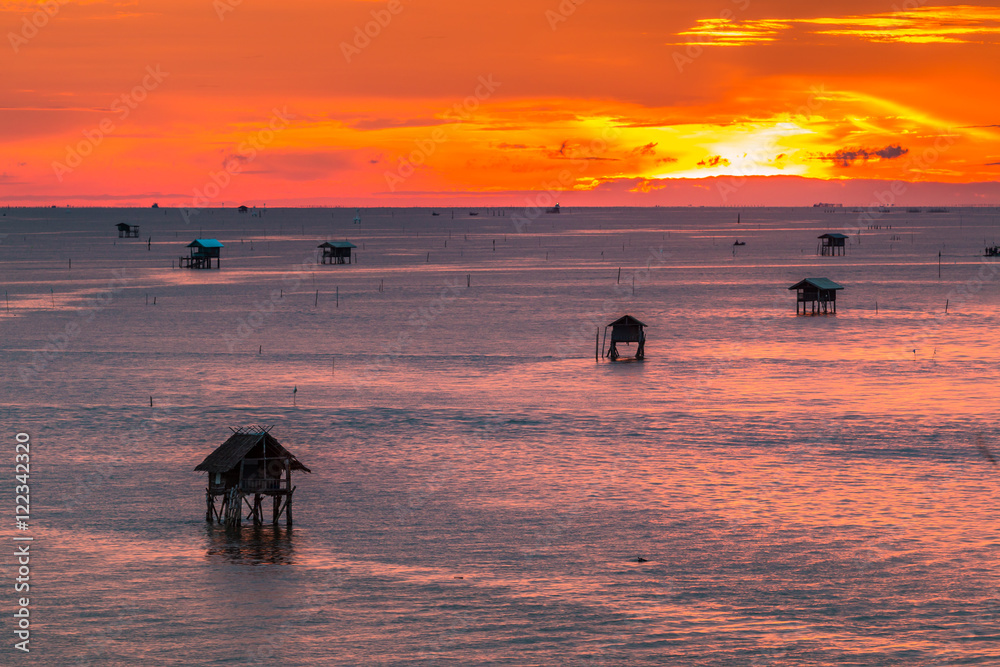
{"x": 196, "y": 103}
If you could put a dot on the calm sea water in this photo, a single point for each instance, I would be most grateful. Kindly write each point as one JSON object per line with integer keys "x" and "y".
{"x": 805, "y": 490}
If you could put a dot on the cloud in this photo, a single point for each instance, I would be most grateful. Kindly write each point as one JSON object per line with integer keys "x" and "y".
{"x": 301, "y": 165}
{"x": 847, "y": 157}
{"x": 648, "y": 149}
{"x": 714, "y": 161}
{"x": 568, "y": 150}
{"x": 394, "y": 123}
{"x": 724, "y": 32}
{"x": 959, "y": 24}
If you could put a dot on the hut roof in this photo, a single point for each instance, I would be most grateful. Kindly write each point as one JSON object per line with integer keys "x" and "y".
{"x": 626, "y": 321}
{"x": 229, "y": 454}
{"x": 834, "y": 235}
{"x": 205, "y": 243}
{"x": 337, "y": 244}
{"x": 123, "y": 225}
{"x": 818, "y": 283}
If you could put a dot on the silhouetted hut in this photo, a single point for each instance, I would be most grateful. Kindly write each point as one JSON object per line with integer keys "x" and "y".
{"x": 554, "y": 209}
{"x": 127, "y": 231}
{"x": 243, "y": 209}
{"x": 626, "y": 329}
{"x": 338, "y": 252}
{"x": 832, "y": 244}
{"x": 203, "y": 251}
{"x": 820, "y": 292}
{"x": 251, "y": 463}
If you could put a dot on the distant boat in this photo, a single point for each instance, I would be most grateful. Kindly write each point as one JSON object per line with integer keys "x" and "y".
{"x": 554, "y": 209}
{"x": 473, "y": 213}
{"x": 826, "y": 205}
{"x": 739, "y": 243}
{"x": 992, "y": 251}
{"x": 435, "y": 213}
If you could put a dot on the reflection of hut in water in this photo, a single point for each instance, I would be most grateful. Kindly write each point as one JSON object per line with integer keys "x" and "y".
{"x": 628, "y": 330}
{"x": 257, "y": 545}
{"x": 127, "y": 231}
{"x": 820, "y": 292}
{"x": 337, "y": 252}
{"x": 832, "y": 244}
{"x": 250, "y": 463}
{"x": 203, "y": 251}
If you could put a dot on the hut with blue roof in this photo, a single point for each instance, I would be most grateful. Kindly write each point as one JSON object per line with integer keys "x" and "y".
{"x": 820, "y": 293}
{"x": 203, "y": 251}
{"x": 337, "y": 252}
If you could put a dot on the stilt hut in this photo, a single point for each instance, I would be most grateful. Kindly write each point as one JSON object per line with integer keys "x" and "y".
{"x": 832, "y": 244}
{"x": 127, "y": 231}
{"x": 821, "y": 293}
{"x": 628, "y": 330}
{"x": 337, "y": 252}
{"x": 248, "y": 467}
{"x": 203, "y": 251}
{"x": 242, "y": 208}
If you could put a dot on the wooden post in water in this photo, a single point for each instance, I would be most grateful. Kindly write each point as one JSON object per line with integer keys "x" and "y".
{"x": 939, "y": 265}
{"x": 338, "y": 296}
{"x": 597, "y": 345}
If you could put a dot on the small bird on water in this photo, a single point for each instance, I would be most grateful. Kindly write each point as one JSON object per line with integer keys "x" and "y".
{"x": 640, "y": 559}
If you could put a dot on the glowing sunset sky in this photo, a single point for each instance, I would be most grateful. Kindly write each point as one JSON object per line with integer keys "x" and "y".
{"x": 630, "y": 102}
